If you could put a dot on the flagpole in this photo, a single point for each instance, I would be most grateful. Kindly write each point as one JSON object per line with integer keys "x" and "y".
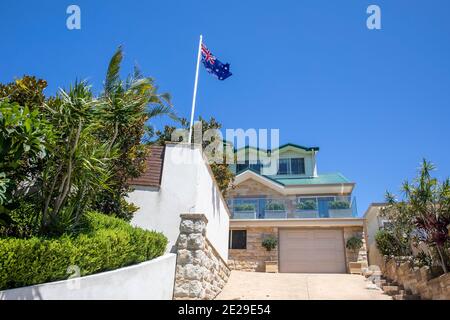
{"x": 195, "y": 90}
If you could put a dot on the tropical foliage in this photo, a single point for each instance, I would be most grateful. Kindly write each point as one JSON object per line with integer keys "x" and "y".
{"x": 24, "y": 141}
{"x": 422, "y": 215}
{"x": 64, "y": 155}
{"x": 126, "y": 106}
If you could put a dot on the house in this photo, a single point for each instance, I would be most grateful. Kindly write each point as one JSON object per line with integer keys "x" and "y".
{"x": 311, "y": 215}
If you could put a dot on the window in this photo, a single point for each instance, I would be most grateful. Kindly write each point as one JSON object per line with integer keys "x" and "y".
{"x": 238, "y": 239}
{"x": 283, "y": 166}
{"x": 254, "y": 166}
{"x": 297, "y": 166}
{"x": 291, "y": 166}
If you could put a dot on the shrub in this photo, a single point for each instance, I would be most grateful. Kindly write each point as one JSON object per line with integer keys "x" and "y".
{"x": 269, "y": 243}
{"x": 339, "y": 204}
{"x": 106, "y": 243}
{"x": 423, "y": 259}
{"x": 275, "y": 206}
{"x": 354, "y": 243}
{"x": 307, "y": 205}
{"x": 389, "y": 245}
{"x": 244, "y": 207}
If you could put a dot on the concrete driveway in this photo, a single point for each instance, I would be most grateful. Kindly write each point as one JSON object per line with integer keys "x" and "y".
{"x": 298, "y": 286}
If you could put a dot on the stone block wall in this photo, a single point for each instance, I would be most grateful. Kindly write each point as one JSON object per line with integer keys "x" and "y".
{"x": 352, "y": 256}
{"x": 255, "y": 256}
{"x": 201, "y": 273}
{"x": 418, "y": 280}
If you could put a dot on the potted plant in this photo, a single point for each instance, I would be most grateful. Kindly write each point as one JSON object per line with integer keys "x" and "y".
{"x": 244, "y": 211}
{"x": 354, "y": 244}
{"x": 270, "y": 243}
{"x": 339, "y": 208}
{"x": 275, "y": 210}
{"x": 306, "y": 208}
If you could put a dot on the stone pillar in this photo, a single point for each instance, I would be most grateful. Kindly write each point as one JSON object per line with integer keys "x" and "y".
{"x": 361, "y": 255}
{"x": 201, "y": 273}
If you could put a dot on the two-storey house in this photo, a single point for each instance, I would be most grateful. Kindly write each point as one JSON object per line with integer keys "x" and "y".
{"x": 310, "y": 215}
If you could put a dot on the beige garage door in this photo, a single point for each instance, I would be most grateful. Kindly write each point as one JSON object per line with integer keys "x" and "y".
{"x": 312, "y": 251}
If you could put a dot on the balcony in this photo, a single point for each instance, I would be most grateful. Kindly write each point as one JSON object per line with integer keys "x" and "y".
{"x": 293, "y": 208}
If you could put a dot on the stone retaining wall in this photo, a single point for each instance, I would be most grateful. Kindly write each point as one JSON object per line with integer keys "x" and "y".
{"x": 418, "y": 280}
{"x": 201, "y": 273}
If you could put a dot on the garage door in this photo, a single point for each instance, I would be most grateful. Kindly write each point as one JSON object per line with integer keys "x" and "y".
{"x": 312, "y": 251}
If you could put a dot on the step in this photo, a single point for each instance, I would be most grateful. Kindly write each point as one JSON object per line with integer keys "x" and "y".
{"x": 390, "y": 290}
{"x": 406, "y": 297}
{"x": 381, "y": 282}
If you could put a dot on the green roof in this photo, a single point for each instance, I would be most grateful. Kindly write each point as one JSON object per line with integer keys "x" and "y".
{"x": 329, "y": 178}
{"x": 281, "y": 147}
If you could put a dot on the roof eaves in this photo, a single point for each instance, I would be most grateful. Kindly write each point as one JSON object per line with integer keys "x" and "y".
{"x": 261, "y": 175}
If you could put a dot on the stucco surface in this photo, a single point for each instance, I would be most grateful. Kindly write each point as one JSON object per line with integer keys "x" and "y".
{"x": 187, "y": 186}
{"x": 297, "y": 286}
{"x": 151, "y": 280}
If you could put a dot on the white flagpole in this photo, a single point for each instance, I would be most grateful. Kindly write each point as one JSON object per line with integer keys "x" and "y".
{"x": 195, "y": 89}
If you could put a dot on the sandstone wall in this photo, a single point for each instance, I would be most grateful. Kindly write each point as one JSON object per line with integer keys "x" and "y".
{"x": 201, "y": 273}
{"x": 254, "y": 257}
{"x": 418, "y": 280}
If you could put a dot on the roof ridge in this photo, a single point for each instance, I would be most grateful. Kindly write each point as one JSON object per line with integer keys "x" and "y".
{"x": 314, "y": 148}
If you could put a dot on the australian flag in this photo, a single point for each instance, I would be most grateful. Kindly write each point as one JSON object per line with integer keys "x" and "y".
{"x": 213, "y": 65}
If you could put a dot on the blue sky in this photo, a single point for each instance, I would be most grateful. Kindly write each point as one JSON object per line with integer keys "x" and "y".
{"x": 375, "y": 101}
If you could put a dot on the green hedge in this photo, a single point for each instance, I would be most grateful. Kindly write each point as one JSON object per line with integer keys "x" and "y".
{"x": 106, "y": 243}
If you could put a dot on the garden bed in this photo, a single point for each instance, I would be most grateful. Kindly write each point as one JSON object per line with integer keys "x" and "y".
{"x": 105, "y": 243}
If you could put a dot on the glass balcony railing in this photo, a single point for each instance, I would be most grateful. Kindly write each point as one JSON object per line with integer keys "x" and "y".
{"x": 293, "y": 208}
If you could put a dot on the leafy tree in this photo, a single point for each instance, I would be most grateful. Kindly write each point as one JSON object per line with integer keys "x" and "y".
{"x": 26, "y": 91}
{"x": 424, "y": 213}
{"x": 391, "y": 245}
{"x": 221, "y": 171}
{"x": 24, "y": 141}
{"x": 65, "y": 154}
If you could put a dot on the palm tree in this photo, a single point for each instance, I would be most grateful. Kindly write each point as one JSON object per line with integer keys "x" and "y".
{"x": 425, "y": 211}
{"x": 126, "y": 107}
{"x": 131, "y": 101}
{"x": 77, "y": 165}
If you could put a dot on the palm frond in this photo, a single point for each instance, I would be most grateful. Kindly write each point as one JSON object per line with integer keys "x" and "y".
{"x": 112, "y": 75}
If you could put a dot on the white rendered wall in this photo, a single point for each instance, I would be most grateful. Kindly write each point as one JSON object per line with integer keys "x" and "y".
{"x": 186, "y": 187}
{"x": 150, "y": 280}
